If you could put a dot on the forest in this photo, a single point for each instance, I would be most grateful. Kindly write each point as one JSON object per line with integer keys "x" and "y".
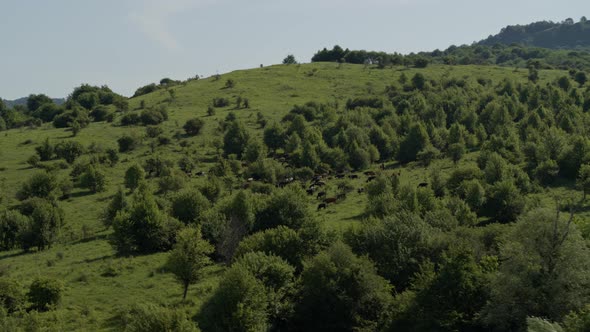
{"x": 364, "y": 191}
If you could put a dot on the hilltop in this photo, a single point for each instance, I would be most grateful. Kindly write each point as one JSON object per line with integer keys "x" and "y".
{"x": 555, "y": 35}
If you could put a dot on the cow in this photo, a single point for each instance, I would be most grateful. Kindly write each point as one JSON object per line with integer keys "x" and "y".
{"x": 423, "y": 185}
{"x": 321, "y": 194}
{"x": 322, "y": 206}
{"x": 319, "y": 183}
{"x": 371, "y": 178}
{"x": 200, "y": 173}
{"x": 369, "y": 173}
{"x": 353, "y": 176}
{"x": 330, "y": 200}
{"x": 360, "y": 190}
{"x": 340, "y": 176}
{"x": 310, "y": 191}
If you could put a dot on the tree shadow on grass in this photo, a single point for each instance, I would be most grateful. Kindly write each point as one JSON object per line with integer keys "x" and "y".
{"x": 8, "y": 255}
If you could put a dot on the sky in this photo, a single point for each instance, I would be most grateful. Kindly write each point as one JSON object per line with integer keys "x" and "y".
{"x": 53, "y": 46}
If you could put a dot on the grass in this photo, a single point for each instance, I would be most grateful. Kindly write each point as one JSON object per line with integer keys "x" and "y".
{"x": 97, "y": 282}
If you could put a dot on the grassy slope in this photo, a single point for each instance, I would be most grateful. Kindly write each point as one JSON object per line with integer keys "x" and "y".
{"x": 91, "y": 299}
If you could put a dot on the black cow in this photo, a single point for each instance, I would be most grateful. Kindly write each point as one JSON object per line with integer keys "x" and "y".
{"x": 321, "y": 194}
{"x": 322, "y": 206}
{"x": 423, "y": 185}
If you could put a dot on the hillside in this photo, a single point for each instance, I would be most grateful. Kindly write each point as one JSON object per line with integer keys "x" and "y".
{"x": 489, "y": 128}
{"x": 555, "y": 35}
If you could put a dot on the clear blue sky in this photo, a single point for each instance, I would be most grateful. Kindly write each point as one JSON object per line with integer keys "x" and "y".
{"x": 52, "y": 46}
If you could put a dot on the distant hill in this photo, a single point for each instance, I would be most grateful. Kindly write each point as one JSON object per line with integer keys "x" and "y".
{"x": 563, "y": 35}
{"x": 23, "y": 101}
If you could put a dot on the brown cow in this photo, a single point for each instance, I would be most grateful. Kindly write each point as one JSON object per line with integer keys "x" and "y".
{"x": 330, "y": 200}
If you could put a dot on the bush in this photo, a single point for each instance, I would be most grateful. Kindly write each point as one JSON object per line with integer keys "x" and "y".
{"x": 12, "y": 297}
{"x": 220, "y": 102}
{"x": 69, "y": 151}
{"x": 12, "y": 224}
{"x": 150, "y": 317}
{"x": 189, "y": 205}
{"x": 130, "y": 119}
{"x": 45, "y": 221}
{"x": 193, "y": 126}
{"x": 44, "y": 293}
{"x": 133, "y": 177}
{"x": 93, "y": 179}
{"x": 41, "y": 184}
{"x": 127, "y": 143}
{"x": 154, "y": 116}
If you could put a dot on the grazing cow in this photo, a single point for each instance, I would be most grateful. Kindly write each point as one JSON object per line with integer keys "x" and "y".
{"x": 340, "y": 176}
{"x": 423, "y": 185}
{"x": 322, "y": 206}
{"x": 319, "y": 183}
{"x": 330, "y": 200}
{"x": 371, "y": 178}
{"x": 353, "y": 176}
{"x": 310, "y": 191}
{"x": 316, "y": 178}
{"x": 341, "y": 196}
{"x": 246, "y": 185}
{"x": 360, "y": 190}
{"x": 200, "y": 173}
{"x": 321, "y": 194}
{"x": 369, "y": 173}
{"x": 250, "y": 179}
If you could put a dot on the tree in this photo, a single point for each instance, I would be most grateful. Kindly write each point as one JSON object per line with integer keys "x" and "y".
{"x": 583, "y": 181}
{"x": 45, "y": 221}
{"x": 236, "y": 139}
{"x": 151, "y": 317}
{"x": 289, "y": 60}
{"x": 127, "y": 143}
{"x": 69, "y": 151}
{"x": 274, "y": 137}
{"x": 188, "y": 257}
{"x": 12, "y": 224}
{"x": 456, "y": 151}
{"x": 504, "y": 201}
{"x": 193, "y": 127}
{"x": 397, "y": 244}
{"x": 581, "y": 78}
{"x": 45, "y": 293}
{"x": 416, "y": 140}
{"x": 12, "y": 298}
{"x": 41, "y": 184}
{"x": 342, "y": 292}
{"x": 36, "y": 101}
{"x": 45, "y": 150}
{"x": 188, "y": 206}
{"x": 544, "y": 272}
{"x": 240, "y": 299}
{"x": 134, "y": 175}
{"x": 142, "y": 227}
{"x": 117, "y": 203}
{"x": 427, "y": 155}
{"x": 94, "y": 179}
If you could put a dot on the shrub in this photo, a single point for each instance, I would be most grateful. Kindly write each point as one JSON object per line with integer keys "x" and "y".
{"x": 150, "y": 317}
{"x": 41, "y": 184}
{"x": 12, "y": 297}
{"x": 127, "y": 143}
{"x": 189, "y": 205}
{"x": 45, "y": 293}
{"x": 45, "y": 221}
{"x": 220, "y": 102}
{"x": 154, "y": 116}
{"x": 193, "y": 126}
{"x": 130, "y": 119}
{"x": 69, "y": 151}
{"x": 133, "y": 177}
{"x": 93, "y": 179}
{"x": 12, "y": 224}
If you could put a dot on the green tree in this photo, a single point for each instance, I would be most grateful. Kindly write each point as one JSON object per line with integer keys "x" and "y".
{"x": 416, "y": 140}
{"x": 188, "y": 206}
{"x": 142, "y": 227}
{"x": 274, "y": 137}
{"x": 583, "y": 181}
{"x": 342, "y": 292}
{"x": 46, "y": 219}
{"x": 12, "y": 298}
{"x": 12, "y": 224}
{"x": 193, "y": 127}
{"x": 117, "y": 203}
{"x": 289, "y": 60}
{"x": 236, "y": 139}
{"x": 36, "y": 101}
{"x": 153, "y": 318}
{"x": 456, "y": 151}
{"x": 427, "y": 155}
{"x": 134, "y": 175}
{"x": 45, "y": 293}
{"x": 69, "y": 151}
{"x": 544, "y": 272}
{"x": 188, "y": 257}
{"x": 94, "y": 179}
{"x": 45, "y": 150}
{"x": 41, "y": 184}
